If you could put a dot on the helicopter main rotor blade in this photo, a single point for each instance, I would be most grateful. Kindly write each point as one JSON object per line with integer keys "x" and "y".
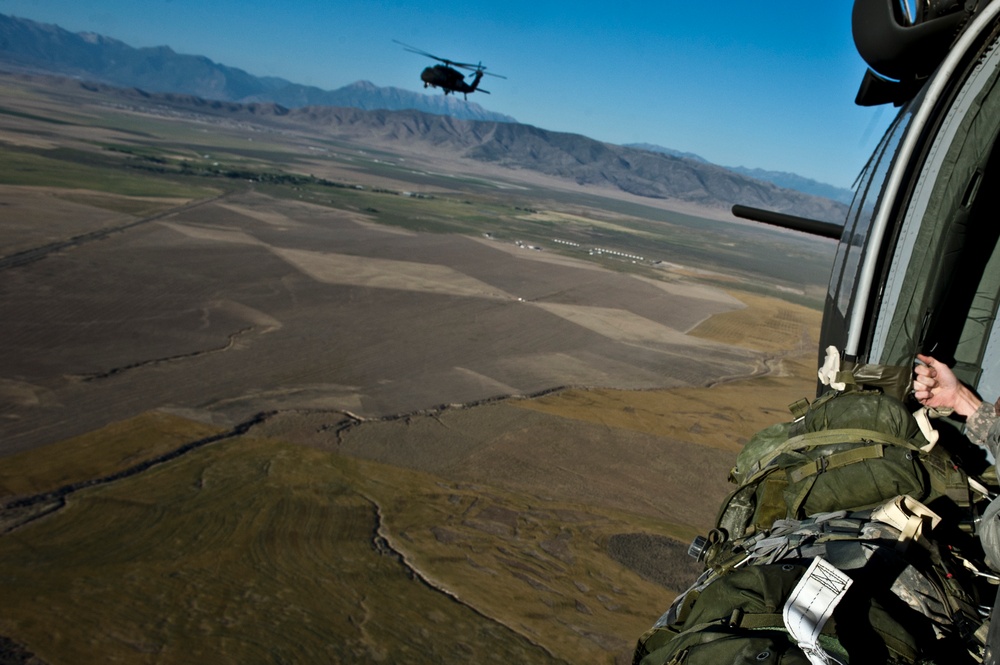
{"x": 414, "y": 49}
{"x": 451, "y": 63}
{"x": 464, "y": 65}
{"x": 483, "y": 70}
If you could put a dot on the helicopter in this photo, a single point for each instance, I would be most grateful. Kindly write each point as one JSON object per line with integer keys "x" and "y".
{"x": 446, "y": 77}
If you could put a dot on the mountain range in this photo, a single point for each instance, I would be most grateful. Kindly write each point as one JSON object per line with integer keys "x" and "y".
{"x": 779, "y": 178}
{"x": 49, "y": 48}
{"x": 363, "y": 111}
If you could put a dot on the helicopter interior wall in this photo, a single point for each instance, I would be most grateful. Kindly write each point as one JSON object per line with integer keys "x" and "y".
{"x": 940, "y": 292}
{"x": 964, "y": 299}
{"x": 977, "y": 354}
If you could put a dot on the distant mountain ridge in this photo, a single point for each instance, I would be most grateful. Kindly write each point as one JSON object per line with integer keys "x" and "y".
{"x": 579, "y": 158}
{"x": 515, "y": 146}
{"x": 798, "y": 183}
{"x": 365, "y": 112}
{"x": 50, "y": 48}
{"x": 652, "y": 147}
{"x": 779, "y": 178}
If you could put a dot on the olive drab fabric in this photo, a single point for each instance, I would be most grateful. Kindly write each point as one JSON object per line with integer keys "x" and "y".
{"x": 847, "y": 483}
{"x": 735, "y": 620}
{"x": 850, "y": 450}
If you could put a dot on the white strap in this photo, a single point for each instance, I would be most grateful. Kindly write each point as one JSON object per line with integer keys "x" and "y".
{"x": 979, "y": 487}
{"x": 810, "y": 606}
{"x": 924, "y": 423}
{"x": 907, "y": 515}
{"x": 831, "y": 367}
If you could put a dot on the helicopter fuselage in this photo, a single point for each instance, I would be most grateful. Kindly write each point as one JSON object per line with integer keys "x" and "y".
{"x": 448, "y": 79}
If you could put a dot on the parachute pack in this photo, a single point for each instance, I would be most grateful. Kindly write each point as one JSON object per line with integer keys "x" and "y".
{"x": 848, "y": 539}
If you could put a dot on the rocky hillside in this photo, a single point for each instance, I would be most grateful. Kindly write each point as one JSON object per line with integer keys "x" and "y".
{"x": 576, "y": 157}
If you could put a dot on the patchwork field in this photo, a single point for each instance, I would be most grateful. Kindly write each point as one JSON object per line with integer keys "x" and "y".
{"x": 265, "y": 397}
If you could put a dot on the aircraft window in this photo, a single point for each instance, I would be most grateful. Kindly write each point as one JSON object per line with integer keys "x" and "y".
{"x": 849, "y": 223}
{"x": 859, "y": 218}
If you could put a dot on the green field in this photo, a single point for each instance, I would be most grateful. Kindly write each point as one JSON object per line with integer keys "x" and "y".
{"x": 19, "y": 167}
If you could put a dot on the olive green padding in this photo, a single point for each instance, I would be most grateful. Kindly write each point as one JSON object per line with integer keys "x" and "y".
{"x": 849, "y": 451}
{"x": 714, "y": 629}
{"x": 724, "y": 649}
{"x": 737, "y": 619}
{"x": 860, "y": 410}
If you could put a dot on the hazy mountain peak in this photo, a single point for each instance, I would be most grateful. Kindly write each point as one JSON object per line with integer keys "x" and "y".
{"x": 779, "y": 178}
{"x": 798, "y": 183}
{"x": 651, "y": 147}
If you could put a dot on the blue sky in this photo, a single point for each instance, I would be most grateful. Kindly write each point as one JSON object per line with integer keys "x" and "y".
{"x": 767, "y": 85}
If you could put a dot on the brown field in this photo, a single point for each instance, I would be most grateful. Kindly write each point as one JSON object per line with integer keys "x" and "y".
{"x": 218, "y": 311}
{"x": 249, "y": 423}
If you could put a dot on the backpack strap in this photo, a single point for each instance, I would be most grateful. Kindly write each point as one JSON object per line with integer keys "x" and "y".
{"x": 811, "y": 470}
{"x": 824, "y": 438}
{"x": 909, "y": 516}
{"x": 835, "y": 461}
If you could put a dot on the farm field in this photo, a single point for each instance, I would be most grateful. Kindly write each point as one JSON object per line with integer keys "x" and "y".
{"x": 267, "y": 396}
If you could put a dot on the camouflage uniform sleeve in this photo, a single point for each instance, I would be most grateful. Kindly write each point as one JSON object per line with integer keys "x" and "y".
{"x": 983, "y": 427}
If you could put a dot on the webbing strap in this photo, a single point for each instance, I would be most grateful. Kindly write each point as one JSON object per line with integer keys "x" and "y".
{"x": 835, "y": 461}
{"x": 825, "y": 438}
{"x": 799, "y": 408}
{"x": 751, "y": 621}
{"x": 924, "y": 423}
{"x": 908, "y": 516}
{"x": 679, "y": 658}
{"x": 811, "y": 604}
{"x": 760, "y": 622}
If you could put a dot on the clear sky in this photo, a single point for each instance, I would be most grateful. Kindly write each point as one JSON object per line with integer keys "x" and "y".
{"x": 768, "y": 85}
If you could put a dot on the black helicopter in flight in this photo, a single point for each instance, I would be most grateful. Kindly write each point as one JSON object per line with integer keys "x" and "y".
{"x": 446, "y": 77}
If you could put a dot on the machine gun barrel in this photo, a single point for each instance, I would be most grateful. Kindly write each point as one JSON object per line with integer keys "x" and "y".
{"x": 813, "y": 226}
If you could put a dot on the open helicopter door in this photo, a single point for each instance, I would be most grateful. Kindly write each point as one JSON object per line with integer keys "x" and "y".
{"x": 918, "y": 265}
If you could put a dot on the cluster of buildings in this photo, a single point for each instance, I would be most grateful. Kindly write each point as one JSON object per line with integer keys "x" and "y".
{"x": 614, "y": 252}
{"x": 595, "y": 251}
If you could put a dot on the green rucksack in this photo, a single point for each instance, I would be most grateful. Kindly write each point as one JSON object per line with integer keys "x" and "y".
{"x": 735, "y": 620}
{"x": 900, "y": 607}
{"x": 806, "y": 494}
{"x": 847, "y": 451}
